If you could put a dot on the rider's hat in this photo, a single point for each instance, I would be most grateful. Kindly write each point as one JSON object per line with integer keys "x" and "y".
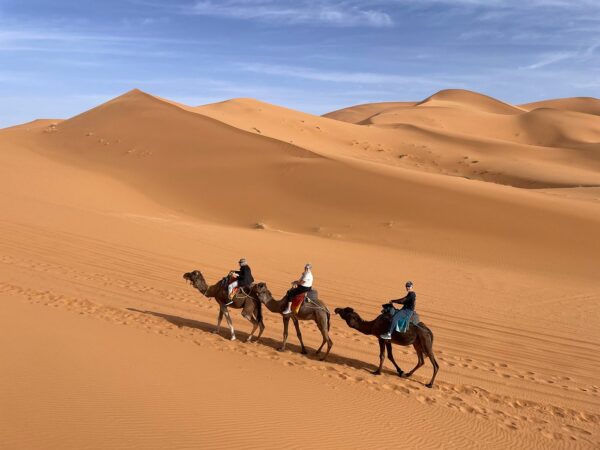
{"x": 409, "y": 284}
{"x": 243, "y": 262}
{"x": 308, "y": 266}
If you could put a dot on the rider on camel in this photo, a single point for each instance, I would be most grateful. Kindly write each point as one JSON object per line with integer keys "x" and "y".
{"x": 303, "y": 284}
{"x": 244, "y": 278}
{"x": 401, "y": 319}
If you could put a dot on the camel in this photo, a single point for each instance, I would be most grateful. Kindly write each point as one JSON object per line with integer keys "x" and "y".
{"x": 419, "y": 336}
{"x": 251, "y": 306}
{"x": 315, "y": 310}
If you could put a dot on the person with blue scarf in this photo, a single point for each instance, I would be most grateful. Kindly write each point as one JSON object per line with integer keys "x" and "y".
{"x": 401, "y": 319}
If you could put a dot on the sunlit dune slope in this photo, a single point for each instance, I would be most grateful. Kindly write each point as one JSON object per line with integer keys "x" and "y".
{"x": 211, "y": 170}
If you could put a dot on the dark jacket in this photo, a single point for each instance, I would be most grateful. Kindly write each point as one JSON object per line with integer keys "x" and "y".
{"x": 244, "y": 276}
{"x": 407, "y": 302}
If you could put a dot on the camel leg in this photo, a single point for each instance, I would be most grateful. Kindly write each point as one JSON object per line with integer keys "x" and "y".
{"x": 248, "y": 314}
{"x": 381, "y": 356}
{"x": 322, "y": 324}
{"x": 286, "y": 325}
{"x": 254, "y": 327}
{"x": 420, "y": 361}
{"x": 434, "y": 363}
{"x": 261, "y": 328}
{"x": 230, "y": 323}
{"x": 299, "y": 334}
{"x": 219, "y": 319}
{"x": 388, "y": 346}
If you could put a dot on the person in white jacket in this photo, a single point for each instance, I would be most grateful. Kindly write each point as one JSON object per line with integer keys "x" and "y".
{"x": 303, "y": 284}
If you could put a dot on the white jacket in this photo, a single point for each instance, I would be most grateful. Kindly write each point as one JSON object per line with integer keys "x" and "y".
{"x": 306, "y": 279}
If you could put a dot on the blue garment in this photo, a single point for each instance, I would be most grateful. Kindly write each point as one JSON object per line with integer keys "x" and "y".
{"x": 401, "y": 320}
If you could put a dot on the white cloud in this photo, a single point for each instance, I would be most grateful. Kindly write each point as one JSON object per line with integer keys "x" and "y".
{"x": 294, "y": 12}
{"x": 579, "y": 55}
{"x": 550, "y": 58}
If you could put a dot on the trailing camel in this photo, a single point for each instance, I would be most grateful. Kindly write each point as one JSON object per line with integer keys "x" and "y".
{"x": 248, "y": 302}
{"x": 419, "y": 336}
{"x": 313, "y": 309}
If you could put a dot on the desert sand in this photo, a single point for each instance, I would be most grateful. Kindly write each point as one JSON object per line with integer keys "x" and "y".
{"x": 492, "y": 209}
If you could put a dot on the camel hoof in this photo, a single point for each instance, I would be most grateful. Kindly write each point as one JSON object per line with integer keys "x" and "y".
{"x": 402, "y": 374}
{"x": 429, "y": 385}
{"x": 232, "y": 338}
{"x": 303, "y": 351}
{"x": 281, "y": 349}
{"x": 215, "y": 331}
{"x": 377, "y": 372}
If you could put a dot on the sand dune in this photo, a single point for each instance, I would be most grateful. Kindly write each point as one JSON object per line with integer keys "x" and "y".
{"x": 103, "y": 212}
{"x": 177, "y": 157}
{"x": 587, "y": 105}
{"x": 358, "y": 113}
{"x": 469, "y": 100}
{"x": 454, "y": 122}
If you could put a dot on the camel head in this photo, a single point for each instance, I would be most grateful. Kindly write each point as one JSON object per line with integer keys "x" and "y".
{"x": 262, "y": 292}
{"x": 196, "y": 279}
{"x": 349, "y": 315}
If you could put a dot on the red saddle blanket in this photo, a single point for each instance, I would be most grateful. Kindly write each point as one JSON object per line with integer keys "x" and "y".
{"x": 231, "y": 279}
{"x": 297, "y": 301}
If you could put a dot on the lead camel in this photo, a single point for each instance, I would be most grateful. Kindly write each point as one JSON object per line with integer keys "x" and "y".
{"x": 419, "y": 336}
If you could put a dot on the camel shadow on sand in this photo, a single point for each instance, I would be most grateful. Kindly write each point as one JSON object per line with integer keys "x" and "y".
{"x": 271, "y": 343}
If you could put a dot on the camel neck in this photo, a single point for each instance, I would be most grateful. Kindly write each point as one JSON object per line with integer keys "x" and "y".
{"x": 210, "y": 291}
{"x": 362, "y": 325}
{"x": 274, "y": 305}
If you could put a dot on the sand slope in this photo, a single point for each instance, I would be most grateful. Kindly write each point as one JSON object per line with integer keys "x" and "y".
{"x": 178, "y": 158}
{"x": 102, "y": 213}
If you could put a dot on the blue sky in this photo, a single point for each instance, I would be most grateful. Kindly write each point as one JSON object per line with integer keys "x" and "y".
{"x": 61, "y": 57}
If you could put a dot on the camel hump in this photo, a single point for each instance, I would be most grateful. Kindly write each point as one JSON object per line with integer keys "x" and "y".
{"x": 313, "y": 294}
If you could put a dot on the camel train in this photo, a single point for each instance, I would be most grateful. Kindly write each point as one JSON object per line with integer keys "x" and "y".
{"x": 252, "y": 297}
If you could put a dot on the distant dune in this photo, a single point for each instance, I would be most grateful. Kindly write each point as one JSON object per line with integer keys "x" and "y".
{"x": 587, "y": 105}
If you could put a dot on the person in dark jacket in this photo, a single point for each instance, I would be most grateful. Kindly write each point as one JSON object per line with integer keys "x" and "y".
{"x": 401, "y": 319}
{"x": 244, "y": 278}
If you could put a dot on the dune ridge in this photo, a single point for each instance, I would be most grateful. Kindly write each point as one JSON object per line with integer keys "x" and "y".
{"x": 176, "y": 154}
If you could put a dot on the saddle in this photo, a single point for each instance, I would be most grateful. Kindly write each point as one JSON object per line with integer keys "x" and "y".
{"x": 226, "y": 281}
{"x": 388, "y": 310}
{"x": 298, "y": 300}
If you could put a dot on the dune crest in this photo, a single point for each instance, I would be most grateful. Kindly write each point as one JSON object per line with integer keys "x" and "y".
{"x": 587, "y": 105}
{"x": 469, "y": 100}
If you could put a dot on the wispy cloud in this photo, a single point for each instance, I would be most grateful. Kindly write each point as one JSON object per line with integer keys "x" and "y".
{"x": 552, "y": 58}
{"x": 338, "y": 13}
{"x": 334, "y": 76}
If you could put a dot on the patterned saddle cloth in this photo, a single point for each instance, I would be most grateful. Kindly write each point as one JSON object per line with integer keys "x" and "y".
{"x": 226, "y": 281}
{"x": 299, "y": 299}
